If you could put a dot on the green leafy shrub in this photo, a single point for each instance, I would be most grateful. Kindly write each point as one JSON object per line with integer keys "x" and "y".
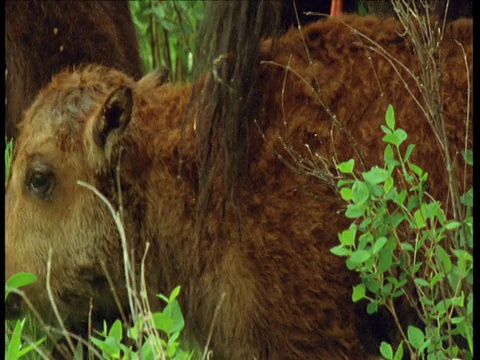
{"x": 402, "y": 244}
{"x": 163, "y": 345}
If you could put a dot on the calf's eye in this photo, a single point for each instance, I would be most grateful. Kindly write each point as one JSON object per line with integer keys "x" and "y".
{"x": 40, "y": 183}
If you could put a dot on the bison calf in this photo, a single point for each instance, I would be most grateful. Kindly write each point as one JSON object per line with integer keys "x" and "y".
{"x": 286, "y": 295}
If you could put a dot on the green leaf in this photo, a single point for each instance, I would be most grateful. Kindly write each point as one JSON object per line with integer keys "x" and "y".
{"x": 163, "y": 297}
{"x": 458, "y": 319}
{"x": 417, "y": 170}
{"x": 163, "y": 322}
{"x": 358, "y": 292}
{"x": 390, "y": 117}
{"x": 389, "y": 182}
{"x": 346, "y": 193}
{"x": 391, "y": 139}
{"x": 416, "y": 267}
{"x": 347, "y": 237}
{"x": 359, "y": 257}
{"x": 360, "y": 193}
{"x": 376, "y": 175}
{"x": 19, "y": 280}
{"x": 465, "y": 258}
{"x": 386, "y": 350}
{"x": 373, "y": 285}
{"x": 407, "y": 246}
{"x": 174, "y": 294}
{"x": 146, "y": 351}
{"x": 355, "y": 211}
{"x": 78, "y": 354}
{"x": 346, "y": 167}
{"x": 340, "y": 250}
{"x": 116, "y": 330}
{"x": 470, "y": 304}
{"x": 387, "y": 290}
{"x": 375, "y": 190}
{"x": 388, "y": 154}
{"x": 444, "y": 305}
{"x": 419, "y": 219}
{"x": 365, "y": 239}
{"x": 379, "y": 244}
{"x": 452, "y": 225}
{"x": 399, "y": 352}
{"x": 400, "y": 198}
{"x": 412, "y": 202}
{"x": 408, "y": 153}
{"x": 100, "y": 344}
{"x": 415, "y": 336}
{"x": 444, "y": 259}
{"x": 426, "y": 301}
{"x": 398, "y": 293}
{"x": 401, "y": 135}
{"x": 385, "y": 129}
{"x": 345, "y": 182}
{"x": 436, "y": 279}
{"x": 385, "y": 259}
{"x": 468, "y": 156}
{"x": 467, "y": 198}
{"x": 397, "y": 138}
{"x": 8, "y": 159}
{"x": 421, "y": 282}
{"x": 133, "y": 333}
{"x": 112, "y": 347}
{"x": 372, "y": 307}
{"x": 174, "y": 311}
{"x": 15, "y": 341}
{"x": 433, "y": 210}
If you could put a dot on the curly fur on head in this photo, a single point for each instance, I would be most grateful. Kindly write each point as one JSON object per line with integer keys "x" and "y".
{"x": 286, "y": 296}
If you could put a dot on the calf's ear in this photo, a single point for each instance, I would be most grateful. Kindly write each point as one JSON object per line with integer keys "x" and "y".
{"x": 113, "y": 119}
{"x": 155, "y": 78}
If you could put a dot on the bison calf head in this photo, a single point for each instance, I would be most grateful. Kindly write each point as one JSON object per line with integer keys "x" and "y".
{"x": 54, "y": 226}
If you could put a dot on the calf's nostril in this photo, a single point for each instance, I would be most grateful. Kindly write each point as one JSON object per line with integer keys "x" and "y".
{"x": 14, "y": 308}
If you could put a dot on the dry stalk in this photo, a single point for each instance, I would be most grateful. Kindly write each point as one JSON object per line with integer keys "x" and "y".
{"x": 427, "y": 38}
{"x": 90, "y": 330}
{"x": 138, "y": 301}
{"x": 206, "y": 352}
{"x": 146, "y": 307}
{"x": 114, "y": 291}
{"x": 64, "y": 331}
{"x": 467, "y": 120}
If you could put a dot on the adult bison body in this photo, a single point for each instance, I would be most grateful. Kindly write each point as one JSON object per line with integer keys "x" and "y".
{"x": 285, "y": 295}
{"x": 44, "y": 37}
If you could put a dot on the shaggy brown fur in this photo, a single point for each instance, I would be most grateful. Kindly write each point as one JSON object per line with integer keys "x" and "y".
{"x": 228, "y": 49}
{"x": 43, "y": 37}
{"x": 286, "y": 295}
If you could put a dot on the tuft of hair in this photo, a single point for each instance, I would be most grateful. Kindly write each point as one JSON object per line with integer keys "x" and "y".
{"x": 227, "y": 100}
